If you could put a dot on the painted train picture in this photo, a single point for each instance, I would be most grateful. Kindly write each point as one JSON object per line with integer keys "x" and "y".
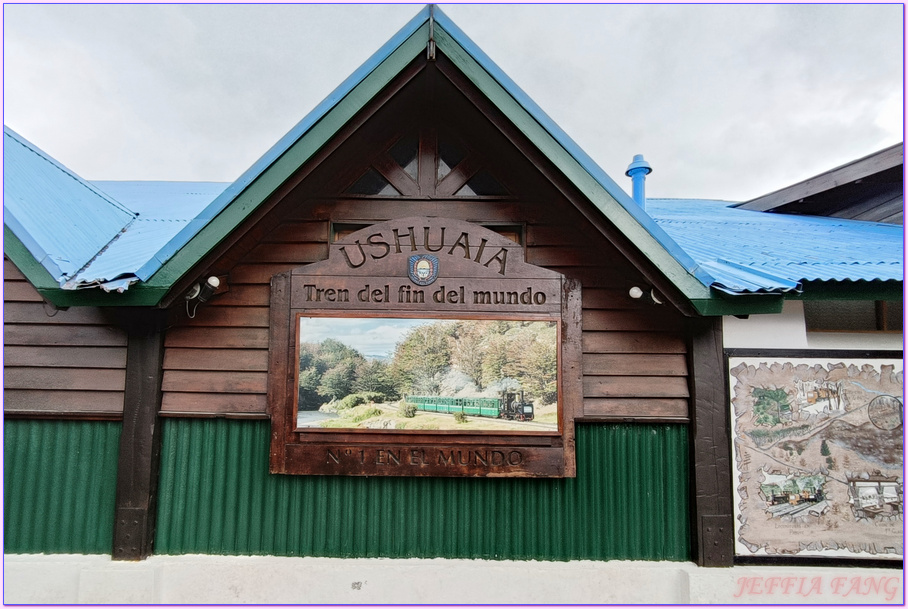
{"x": 509, "y": 406}
{"x": 428, "y": 374}
{"x": 818, "y": 448}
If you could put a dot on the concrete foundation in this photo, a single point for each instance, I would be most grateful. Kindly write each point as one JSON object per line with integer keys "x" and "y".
{"x": 55, "y": 579}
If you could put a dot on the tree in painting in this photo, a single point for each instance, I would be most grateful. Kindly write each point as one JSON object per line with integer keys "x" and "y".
{"x": 439, "y": 357}
{"x": 423, "y": 357}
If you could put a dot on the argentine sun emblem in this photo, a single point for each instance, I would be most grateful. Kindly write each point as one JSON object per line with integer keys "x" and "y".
{"x": 423, "y": 269}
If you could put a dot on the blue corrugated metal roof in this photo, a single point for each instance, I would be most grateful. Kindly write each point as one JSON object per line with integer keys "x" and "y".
{"x": 60, "y": 218}
{"x": 348, "y": 85}
{"x": 752, "y": 252}
{"x": 165, "y": 209}
{"x": 108, "y": 273}
{"x": 274, "y": 153}
{"x": 571, "y": 147}
{"x": 715, "y": 244}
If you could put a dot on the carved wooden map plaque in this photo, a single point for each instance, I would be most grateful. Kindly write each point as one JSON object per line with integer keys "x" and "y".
{"x": 424, "y": 347}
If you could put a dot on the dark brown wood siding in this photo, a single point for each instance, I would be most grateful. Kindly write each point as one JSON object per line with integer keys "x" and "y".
{"x": 634, "y": 354}
{"x": 62, "y": 362}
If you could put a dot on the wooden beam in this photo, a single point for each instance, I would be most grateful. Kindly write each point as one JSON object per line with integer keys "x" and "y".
{"x": 221, "y": 233}
{"x": 140, "y": 439}
{"x": 713, "y": 524}
{"x": 678, "y": 286}
{"x": 845, "y": 174}
{"x": 637, "y": 241}
{"x": 395, "y": 174}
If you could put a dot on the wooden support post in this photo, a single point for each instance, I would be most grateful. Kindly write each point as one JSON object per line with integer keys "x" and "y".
{"x": 140, "y": 445}
{"x": 713, "y": 524}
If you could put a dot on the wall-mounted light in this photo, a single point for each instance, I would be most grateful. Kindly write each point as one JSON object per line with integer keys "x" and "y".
{"x": 209, "y": 288}
{"x": 637, "y": 293}
{"x": 199, "y": 293}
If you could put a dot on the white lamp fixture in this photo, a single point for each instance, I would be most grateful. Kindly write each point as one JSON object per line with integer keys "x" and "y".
{"x": 637, "y": 293}
{"x": 201, "y": 293}
{"x": 209, "y": 288}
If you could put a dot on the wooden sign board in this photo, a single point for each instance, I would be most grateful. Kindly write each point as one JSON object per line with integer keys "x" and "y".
{"x": 424, "y": 347}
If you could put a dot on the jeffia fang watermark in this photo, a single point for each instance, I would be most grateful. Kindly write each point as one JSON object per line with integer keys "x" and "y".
{"x": 854, "y": 589}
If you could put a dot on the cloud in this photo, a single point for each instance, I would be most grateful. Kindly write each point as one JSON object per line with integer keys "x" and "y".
{"x": 725, "y": 101}
{"x": 369, "y": 336}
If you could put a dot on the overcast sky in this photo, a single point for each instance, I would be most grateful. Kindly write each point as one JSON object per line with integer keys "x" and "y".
{"x": 726, "y": 102}
{"x": 370, "y": 336}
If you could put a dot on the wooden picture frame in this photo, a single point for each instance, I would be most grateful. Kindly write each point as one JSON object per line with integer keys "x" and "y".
{"x": 460, "y": 271}
{"x": 817, "y": 446}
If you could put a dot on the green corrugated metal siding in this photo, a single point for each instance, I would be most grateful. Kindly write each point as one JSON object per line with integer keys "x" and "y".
{"x": 59, "y": 486}
{"x": 629, "y": 501}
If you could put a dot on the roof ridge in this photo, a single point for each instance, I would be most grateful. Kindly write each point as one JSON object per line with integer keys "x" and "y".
{"x": 65, "y": 170}
{"x": 71, "y": 284}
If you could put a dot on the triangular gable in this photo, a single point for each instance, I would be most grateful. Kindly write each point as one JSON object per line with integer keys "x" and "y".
{"x": 177, "y": 257}
{"x": 242, "y": 197}
{"x": 294, "y": 149}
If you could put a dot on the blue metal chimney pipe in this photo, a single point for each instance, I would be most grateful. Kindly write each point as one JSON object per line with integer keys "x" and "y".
{"x": 638, "y": 170}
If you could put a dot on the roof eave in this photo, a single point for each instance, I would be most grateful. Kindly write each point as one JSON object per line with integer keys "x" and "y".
{"x": 243, "y": 197}
{"x": 50, "y": 290}
{"x": 880, "y": 289}
{"x": 890, "y": 157}
{"x": 26, "y": 245}
{"x": 771, "y": 301}
{"x": 25, "y": 261}
{"x": 616, "y": 205}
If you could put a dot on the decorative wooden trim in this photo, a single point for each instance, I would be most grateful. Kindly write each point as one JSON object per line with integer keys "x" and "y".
{"x": 571, "y": 369}
{"x": 473, "y": 263}
{"x": 140, "y": 440}
{"x": 395, "y": 175}
{"x": 460, "y": 175}
{"x": 280, "y": 178}
{"x": 57, "y": 415}
{"x": 713, "y": 530}
{"x": 829, "y": 180}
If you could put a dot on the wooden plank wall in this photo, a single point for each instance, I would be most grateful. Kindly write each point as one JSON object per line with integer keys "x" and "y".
{"x": 634, "y": 362}
{"x": 634, "y": 353}
{"x": 218, "y": 361}
{"x": 55, "y": 362}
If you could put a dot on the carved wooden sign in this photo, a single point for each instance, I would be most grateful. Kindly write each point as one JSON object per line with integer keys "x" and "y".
{"x": 428, "y": 347}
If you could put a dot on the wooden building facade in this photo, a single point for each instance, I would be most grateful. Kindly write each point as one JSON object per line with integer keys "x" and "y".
{"x": 161, "y": 414}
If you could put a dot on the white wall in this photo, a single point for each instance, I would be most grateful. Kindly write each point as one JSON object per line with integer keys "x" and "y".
{"x": 787, "y": 330}
{"x": 45, "y": 579}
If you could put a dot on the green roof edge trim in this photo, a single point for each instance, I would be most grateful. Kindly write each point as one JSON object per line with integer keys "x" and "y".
{"x": 289, "y": 162}
{"x": 309, "y": 143}
{"x": 604, "y": 201}
{"x": 16, "y": 251}
{"x": 756, "y": 304}
{"x": 744, "y": 305}
{"x": 91, "y": 297}
{"x": 374, "y": 76}
{"x": 851, "y": 290}
{"x": 42, "y": 281}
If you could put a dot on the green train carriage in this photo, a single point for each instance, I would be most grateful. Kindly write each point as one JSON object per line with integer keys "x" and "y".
{"x": 508, "y": 406}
